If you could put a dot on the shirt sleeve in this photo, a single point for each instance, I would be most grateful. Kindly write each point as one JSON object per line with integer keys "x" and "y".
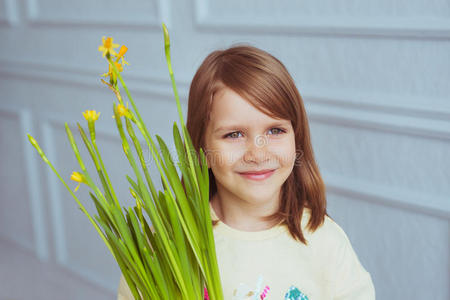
{"x": 124, "y": 292}
{"x": 351, "y": 280}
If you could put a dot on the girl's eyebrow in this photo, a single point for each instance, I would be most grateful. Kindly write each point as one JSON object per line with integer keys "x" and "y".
{"x": 226, "y": 128}
{"x": 234, "y": 127}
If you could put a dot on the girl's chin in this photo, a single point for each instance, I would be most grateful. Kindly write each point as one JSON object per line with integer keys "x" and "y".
{"x": 255, "y": 194}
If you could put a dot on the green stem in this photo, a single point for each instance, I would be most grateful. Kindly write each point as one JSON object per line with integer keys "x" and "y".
{"x": 106, "y": 174}
{"x": 100, "y": 168}
{"x": 91, "y": 184}
{"x": 216, "y": 291}
{"x": 177, "y": 98}
{"x": 140, "y": 123}
{"x": 140, "y": 153}
{"x": 83, "y": 209}
{"x": 153, "y": 215}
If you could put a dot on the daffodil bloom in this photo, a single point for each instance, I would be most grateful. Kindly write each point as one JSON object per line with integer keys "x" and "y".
{"x": 110, "y": 70}
{"x": 122, "y": 51}
{"x": 123, "y": 111}
{"x": 111, "y": 74}
{"x": 91, "y": 115}
{"x": 107, "y": 47}
{"x": 78, "y": 177}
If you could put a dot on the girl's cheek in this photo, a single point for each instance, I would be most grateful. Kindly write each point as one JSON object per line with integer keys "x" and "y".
{"x": 220, "y": 157}
{"x": 228, "y": 156}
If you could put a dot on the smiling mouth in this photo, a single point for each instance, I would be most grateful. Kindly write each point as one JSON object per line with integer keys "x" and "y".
{"x": 260, "y": 175}
{"x": 257, "y": 172}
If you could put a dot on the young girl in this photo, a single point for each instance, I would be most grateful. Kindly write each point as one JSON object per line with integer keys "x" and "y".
{"x": 274, "y": 238}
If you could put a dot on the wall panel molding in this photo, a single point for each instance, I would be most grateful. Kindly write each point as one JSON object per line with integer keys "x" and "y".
{"x": 8, "y": 13}
{"x": 377, "y": 26}
{"x": 414, "y": 121}
{"x": 39, "y": 14}
{"x": 57, "y": 221}
{"x": 388, "y": 196}
{"x": 33, "y": 184}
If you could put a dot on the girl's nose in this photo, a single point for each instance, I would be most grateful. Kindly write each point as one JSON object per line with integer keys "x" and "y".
{"x": 256, "y": 150}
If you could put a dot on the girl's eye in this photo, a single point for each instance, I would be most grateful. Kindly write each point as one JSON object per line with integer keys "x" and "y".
{"x": 279, "y": 130}
{"x": 232, "y": 135}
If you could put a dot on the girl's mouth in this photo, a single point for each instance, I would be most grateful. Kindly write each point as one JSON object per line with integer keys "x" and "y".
{"x": 261, "y": 175}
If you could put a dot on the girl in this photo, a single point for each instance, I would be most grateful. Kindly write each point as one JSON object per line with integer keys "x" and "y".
{"x": 274, "y": 238}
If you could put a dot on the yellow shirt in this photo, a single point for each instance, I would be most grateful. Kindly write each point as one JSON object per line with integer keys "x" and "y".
{"x": 271, "y": 260}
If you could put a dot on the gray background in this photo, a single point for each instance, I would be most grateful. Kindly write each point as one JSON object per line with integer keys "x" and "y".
{"x": 374, "y": 76}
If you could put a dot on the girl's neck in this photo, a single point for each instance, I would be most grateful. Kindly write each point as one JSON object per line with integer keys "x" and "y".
{"x": 242, "y": 215}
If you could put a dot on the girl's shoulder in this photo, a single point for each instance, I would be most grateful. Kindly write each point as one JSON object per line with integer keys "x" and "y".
{"x": 330, "y": 233}
{"x": 332, "y": 246}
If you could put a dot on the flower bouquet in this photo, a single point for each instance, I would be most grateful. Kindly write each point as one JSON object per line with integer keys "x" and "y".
{"x": 174, "y": 257}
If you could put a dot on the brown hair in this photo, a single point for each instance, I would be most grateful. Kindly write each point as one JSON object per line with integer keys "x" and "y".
{"x": 264, "y": 82}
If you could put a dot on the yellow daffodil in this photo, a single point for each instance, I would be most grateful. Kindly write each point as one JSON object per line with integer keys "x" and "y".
{"x": 91, "y": 115}
{"x": 110, "y": 70}
{"x": 123, "y": 111}
{"x": 78, "y": 177}
{"x": 107, "y": 47}
{"x": 111, "y": 75}
{"x": 122, "y": 51}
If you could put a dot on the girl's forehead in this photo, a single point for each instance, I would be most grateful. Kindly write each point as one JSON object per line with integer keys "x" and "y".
{"x": 229, "y": 108}
{"x": 227, "y": 122}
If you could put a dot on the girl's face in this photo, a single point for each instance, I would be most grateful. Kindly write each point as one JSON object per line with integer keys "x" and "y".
{"x": 240, "y": 138}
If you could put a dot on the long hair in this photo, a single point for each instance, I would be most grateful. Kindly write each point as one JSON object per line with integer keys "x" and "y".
{"x": 264, "y": 82}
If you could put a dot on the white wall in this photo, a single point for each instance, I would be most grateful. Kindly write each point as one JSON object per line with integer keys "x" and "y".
{"x": 374, "y": 76}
